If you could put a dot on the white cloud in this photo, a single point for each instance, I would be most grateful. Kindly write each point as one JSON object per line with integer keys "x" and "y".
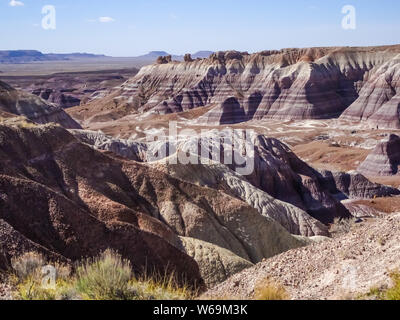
{"x": 106, "y": 19}
{"x": 16, "y": 3}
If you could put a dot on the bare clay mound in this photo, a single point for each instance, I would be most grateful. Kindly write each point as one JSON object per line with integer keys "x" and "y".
{"x": 344, "y": 268}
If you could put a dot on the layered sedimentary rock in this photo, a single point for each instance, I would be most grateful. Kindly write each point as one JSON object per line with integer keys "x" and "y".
{"x": 59, "y": 98}
{"x": 69, "y": 199}
{"x": 213, "y": 175}
{"x": 379, "y": 98}
{"x": 273, "y": 170}
{"x": 316, "y": 83}
{"x": 355, "y": 186}
{"x": 384, "y": 160}
{"x": 32, "y": 107}
{"x": 220, "y": 177}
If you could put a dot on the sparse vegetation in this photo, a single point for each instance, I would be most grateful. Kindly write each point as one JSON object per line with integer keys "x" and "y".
{"x": 107, "y": 277}
{"x": 27, "y": 265}
{"x": 269, "y": 290}
{"x": 384, "y": 293}
{"x": 394, "y": 292}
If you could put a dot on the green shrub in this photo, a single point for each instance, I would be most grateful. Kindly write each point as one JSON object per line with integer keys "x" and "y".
{"x": 105, "y": 278}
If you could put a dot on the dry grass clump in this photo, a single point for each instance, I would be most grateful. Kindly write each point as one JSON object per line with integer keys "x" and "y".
{"x": 27, "y": 265}
{"x": 161, "y": 287}
{"x": 270, "y": 291}
{"x": 384, "y": 293}
{"x": 106, "y": 277}
{"x": 394, "y": 292}
{"x": 29, "y": 278}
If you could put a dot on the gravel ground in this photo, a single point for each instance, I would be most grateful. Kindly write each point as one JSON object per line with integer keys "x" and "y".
{"x": 5, "y": 292}
{"x": 342, "y": 268}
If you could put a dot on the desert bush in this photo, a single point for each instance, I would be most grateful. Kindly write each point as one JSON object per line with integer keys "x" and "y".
{"x": 269, "y": 290}
{"x": 28, "y": 265}
{"x": 105, "y": 278}
{"x": 27, "y": 278}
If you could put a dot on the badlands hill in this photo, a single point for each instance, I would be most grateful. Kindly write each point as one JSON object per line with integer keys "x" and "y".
{"x": 70, "y": 89}
{"x": 384, "y": 160}
{"x": 74, "y": 194}
{"x": 64, "y": 198}
{"x": 291, "y": 84}
{"x": 15, "y": 102}
{"x": 71, "y": 193}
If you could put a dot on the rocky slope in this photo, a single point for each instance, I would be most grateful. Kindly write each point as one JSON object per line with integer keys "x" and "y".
{"x": 17, "y": 102}
{"x": 343, "y": 268}
{"x": 315, "y": 83}
{"x": 61, "y": 197}
{"x": 384, "y": 160}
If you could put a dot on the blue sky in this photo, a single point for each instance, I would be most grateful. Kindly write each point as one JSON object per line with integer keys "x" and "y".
{"x": 177, "y": 26}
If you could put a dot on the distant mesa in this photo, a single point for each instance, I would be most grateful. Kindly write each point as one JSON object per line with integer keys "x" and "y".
{"x": 25, "y": 56}
{"x": 202, "y": 54}
{"x": 157, "y": 53}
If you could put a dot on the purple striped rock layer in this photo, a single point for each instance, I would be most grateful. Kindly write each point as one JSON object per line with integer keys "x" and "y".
{"x": 291, "y": 84}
